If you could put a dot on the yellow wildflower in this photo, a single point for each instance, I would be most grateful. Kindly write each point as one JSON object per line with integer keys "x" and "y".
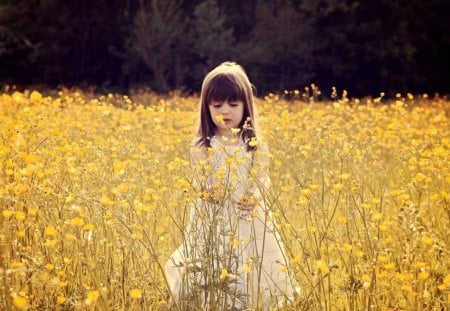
{"x": 136, "y": 293}
{"x": 20, "y": 302}
{"x": 223, "y": 274}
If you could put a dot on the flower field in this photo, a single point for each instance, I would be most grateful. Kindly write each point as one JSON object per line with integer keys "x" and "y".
{"x": 93, "y": 191}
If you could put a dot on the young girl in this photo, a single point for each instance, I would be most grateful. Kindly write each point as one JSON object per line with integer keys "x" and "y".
{"x": 232, "y": 257}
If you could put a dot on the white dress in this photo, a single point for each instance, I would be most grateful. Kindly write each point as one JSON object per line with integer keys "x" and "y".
{"x": 230, "y": 260}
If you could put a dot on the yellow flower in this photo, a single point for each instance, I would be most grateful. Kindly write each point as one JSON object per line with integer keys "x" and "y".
{"x": 32, "y": 211}
{"x": 223, "y": 274}
{"x": 7, "y": 213}
{"x": 20, "y": 302}
{"x": 377, "y": 216}
{"x": 160, "y": 229}
{"x": 51, "y": 243}
{"x": 219, "y": 118}
{"x": 93, "y": 295}
{"x": 60, "y": 300}
{"x": 348, "y": 247}
{"x": 382, "y": 258}
{"x": 407, "y": 288}
{"x": 20, "y": 215}
{"x": 49, "y": 267}
{"x": 447, "y": 280}
{"x": 426, "y": 240}
{"x": 420, "y": 264}
{"x": 70, "y": 237}
{"x": 136, "y": 293}
{"x": 50, "y": 231}
{"x": 365, "y": 278}
{"x": 389, "y": 266}
{"x": 36, "y": 96}
{"x": 253, "y": 142}
{"x": 77, "y": 222}
{"x": 424, "y": 275}
{"x": 359, "y": 254}
{"x": 88, "y": 227}
{"x": 246, "y": 268}
{"x": 235, "y": 130}
{"x": 322, "y": 266}
{"x": 314, "y": 186}
{"x": 338, "y": 187}
{"x": 342, "y": 219}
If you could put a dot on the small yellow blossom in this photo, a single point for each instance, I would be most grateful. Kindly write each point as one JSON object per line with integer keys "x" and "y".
{"x": 77, "y": 222}
{"x": 50, "y": 231}
{"x": 377, "y": 216}
{"x": 223, "y": 274}
{"x": 424, "y": 275}
{"x": 51, "y": 243}
{"x": 60, "y": 300}
{"x": 342, "y": 219}
{"x": 49, "y": 267}
{"x": 136, "y": 293}
{"x": 93, "y": 295}
{"x": 253, "y": 142}
{"x": 389, "y": 266}
{"x": 322, "y": 266}
{"x": 407, "y": 288}
{"x": 7, "y": 213}
{"x": 20, "y": 215}
{"x": 426, "y": 240}
{"x": 338, "y": 187}
{"x": 20, "y": 302}
{"x": 88, "y": 227}
{"x": 246, "y": 268}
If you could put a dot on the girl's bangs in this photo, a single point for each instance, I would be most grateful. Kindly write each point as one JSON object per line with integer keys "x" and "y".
{"x": 224, "y": 88}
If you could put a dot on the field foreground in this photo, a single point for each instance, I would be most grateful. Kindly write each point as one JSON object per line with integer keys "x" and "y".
{"x": 93, "y": 191}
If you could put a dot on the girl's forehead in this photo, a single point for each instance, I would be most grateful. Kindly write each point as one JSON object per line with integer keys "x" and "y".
{"x": 213, "y": 101}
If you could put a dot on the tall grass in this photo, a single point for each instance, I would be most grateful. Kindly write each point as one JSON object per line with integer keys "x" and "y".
{"x": 93, "y": 192}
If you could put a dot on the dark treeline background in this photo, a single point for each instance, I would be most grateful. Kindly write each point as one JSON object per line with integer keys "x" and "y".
{"x": 364, "y": 47}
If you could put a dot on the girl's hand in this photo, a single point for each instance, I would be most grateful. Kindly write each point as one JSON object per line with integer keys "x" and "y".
{"x": 246, "y": 206}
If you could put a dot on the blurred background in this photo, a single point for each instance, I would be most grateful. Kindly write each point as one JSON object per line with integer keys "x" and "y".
{"x": 364, "y": 47}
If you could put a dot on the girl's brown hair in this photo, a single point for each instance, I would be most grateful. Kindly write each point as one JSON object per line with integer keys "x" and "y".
{"x": 226, "y": 82}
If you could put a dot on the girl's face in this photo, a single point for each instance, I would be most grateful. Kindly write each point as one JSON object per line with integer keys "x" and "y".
{"x": 226, "y": 115}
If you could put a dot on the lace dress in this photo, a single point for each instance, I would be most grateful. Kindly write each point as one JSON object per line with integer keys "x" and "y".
{"x": 230, "y": 259}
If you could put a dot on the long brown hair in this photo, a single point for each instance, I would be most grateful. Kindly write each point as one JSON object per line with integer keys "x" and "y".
{"x": 226, "y": 82}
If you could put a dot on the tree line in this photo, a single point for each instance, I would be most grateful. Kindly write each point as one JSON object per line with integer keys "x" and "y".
{"x": 365, "y": 47}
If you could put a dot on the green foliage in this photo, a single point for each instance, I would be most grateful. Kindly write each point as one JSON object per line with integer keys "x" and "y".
{"x": 156, "y": 29}
{"x": 364, "y": 47}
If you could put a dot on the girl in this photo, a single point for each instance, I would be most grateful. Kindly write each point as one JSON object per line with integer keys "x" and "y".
{"x": 232, "y": 256}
